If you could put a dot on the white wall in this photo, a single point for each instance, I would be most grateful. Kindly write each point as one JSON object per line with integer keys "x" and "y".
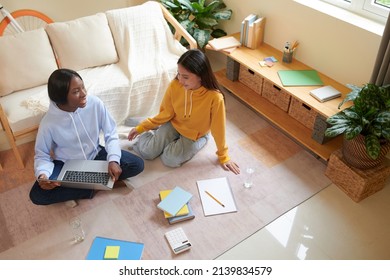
{"x": 342, "y": 51}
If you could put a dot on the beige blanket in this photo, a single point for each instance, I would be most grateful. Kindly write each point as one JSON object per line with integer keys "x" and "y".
{"x": 148, "y": 55}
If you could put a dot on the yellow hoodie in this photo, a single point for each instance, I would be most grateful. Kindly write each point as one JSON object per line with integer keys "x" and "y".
{"x": 193, "y": 113}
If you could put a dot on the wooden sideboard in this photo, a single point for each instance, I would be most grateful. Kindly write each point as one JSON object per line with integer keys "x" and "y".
{"x": 256, "y": 92}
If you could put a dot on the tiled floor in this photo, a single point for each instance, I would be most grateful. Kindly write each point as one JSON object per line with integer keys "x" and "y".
{"x": 328, "y": 226}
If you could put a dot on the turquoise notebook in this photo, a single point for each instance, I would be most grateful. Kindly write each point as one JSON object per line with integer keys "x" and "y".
{"x": 299, "y": 78}
{"x": 127, "y": 250}
{"x": 174, "y": 201}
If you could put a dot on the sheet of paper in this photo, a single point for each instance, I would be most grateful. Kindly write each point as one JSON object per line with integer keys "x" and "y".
{"x": 216, "y": 196}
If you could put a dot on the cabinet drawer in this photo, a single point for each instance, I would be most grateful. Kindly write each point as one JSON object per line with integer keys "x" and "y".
{"x": 302, "y": 113}
{"x": 250, "y": 79}
{"x": 276, "y": 95}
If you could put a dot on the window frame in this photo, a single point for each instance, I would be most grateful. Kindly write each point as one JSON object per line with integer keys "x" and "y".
{"x": 365, "y": 8}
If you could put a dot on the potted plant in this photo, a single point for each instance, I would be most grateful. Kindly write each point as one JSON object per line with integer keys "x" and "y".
{"x": 198, "y": 18}
{"x": 365, "y": 125}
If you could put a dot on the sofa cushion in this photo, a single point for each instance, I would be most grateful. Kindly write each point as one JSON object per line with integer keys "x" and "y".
{"x": 26, "y": 61}
{"x": 19, "y": 114}
{"x": 83, "y": 43}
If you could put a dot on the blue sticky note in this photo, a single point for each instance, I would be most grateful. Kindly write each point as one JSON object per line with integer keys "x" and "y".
{"x": 174, "y": 201}
{"x": 270, "y": 58}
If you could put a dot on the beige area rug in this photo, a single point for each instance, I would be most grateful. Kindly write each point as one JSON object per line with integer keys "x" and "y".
{"x": 286, "y": 175}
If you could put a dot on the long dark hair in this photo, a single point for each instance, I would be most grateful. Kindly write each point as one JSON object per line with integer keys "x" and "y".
{"x": 196, "y": 62}
{"x": 59, "y": 83}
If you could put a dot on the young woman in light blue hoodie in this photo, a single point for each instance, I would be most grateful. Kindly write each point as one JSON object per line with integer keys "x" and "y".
{"x": 70, "y": 130}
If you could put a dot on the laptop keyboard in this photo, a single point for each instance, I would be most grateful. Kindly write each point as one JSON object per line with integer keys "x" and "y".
{"x": 87, "y": 177}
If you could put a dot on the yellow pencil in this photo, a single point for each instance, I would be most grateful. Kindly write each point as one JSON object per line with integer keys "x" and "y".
{"x": 219, "y": 202}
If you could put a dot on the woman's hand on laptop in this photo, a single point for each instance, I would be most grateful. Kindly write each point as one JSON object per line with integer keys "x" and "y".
{"x": 114, "y": 170}
{"x": 45, "y": 183}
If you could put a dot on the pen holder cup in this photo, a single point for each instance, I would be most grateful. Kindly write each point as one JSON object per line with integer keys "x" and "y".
{"x": 287, "y": 56}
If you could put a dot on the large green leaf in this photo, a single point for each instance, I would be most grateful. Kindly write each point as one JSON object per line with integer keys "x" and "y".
{"x": 386, "y": 133}
{"x": 350, "y": 96}
{"x": 223, "y": 14}
{"x": 206, "y": 22}
{"x": 336, "y": 130}
{"x": 338, "y": 119}
{"x": 350, "y": 113}
{"x": 169, "y": 5}
{"x": 218, "y": 33}
{"x": 186, "y": 4}
{"x": 383, "y": 117}
{"x": 212, "y": 6}
{"x": 202, "y": 37}
{"x": 373, "y": 146}
{"x": 198, "y": 9}
{"x": 352, "y": 131}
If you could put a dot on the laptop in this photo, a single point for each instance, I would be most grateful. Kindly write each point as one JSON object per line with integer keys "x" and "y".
{"x": 85, "y": 174}
{"x": 325, "y": 93}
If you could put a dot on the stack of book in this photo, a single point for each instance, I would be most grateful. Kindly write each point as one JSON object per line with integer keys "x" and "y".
{"x": 175, "y": 205}
{"x": 226, "y": 44}
{"x": 252, "y": 31}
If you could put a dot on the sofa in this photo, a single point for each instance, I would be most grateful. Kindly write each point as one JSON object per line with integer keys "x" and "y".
{"x": 125, "y": 56}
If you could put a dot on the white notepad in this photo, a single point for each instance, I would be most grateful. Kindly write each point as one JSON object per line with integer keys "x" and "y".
{"x": 325, "y": 93}
{"x": 216, "y": 196}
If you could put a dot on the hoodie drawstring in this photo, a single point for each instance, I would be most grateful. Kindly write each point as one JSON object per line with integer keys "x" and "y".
{"x": 185, "y": 105}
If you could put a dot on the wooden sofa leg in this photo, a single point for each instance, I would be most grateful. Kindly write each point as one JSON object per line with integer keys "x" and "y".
{"x": 11, "y": 139}
{"x": 18, "y": 157}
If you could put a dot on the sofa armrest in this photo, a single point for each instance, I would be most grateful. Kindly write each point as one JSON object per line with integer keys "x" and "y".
{"x": 179, "y": 30}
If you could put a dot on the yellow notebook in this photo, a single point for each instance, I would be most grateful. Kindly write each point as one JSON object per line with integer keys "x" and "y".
{"x": 183, "y": 211}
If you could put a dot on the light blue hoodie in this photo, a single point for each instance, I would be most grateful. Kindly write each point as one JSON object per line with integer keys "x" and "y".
{"x": 75, "y": 135}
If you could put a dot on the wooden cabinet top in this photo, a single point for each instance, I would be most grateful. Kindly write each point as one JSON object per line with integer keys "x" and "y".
{"x": 251, "y": 57}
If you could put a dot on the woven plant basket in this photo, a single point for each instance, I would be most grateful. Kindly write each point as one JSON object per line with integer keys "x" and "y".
{"x": 354, "y": 152}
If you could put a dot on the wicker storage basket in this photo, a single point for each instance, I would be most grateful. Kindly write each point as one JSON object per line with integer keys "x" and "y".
{"x": 355, "y": 154}
{"x": 356, "y": 183}
{"x": 276, "y": 95}
{"x": 302, "y": 113}
{"x": 250, "y": 79}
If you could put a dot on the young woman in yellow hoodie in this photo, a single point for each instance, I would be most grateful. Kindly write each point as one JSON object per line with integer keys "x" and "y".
{"x": 192, "y": 107}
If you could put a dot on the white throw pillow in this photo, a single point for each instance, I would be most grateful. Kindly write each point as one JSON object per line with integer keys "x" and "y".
{"x": 83, "y": 43}
{"x": 26, "y": 61}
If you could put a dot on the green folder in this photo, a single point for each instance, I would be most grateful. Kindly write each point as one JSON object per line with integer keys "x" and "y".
{"x": 299, "y": 78}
